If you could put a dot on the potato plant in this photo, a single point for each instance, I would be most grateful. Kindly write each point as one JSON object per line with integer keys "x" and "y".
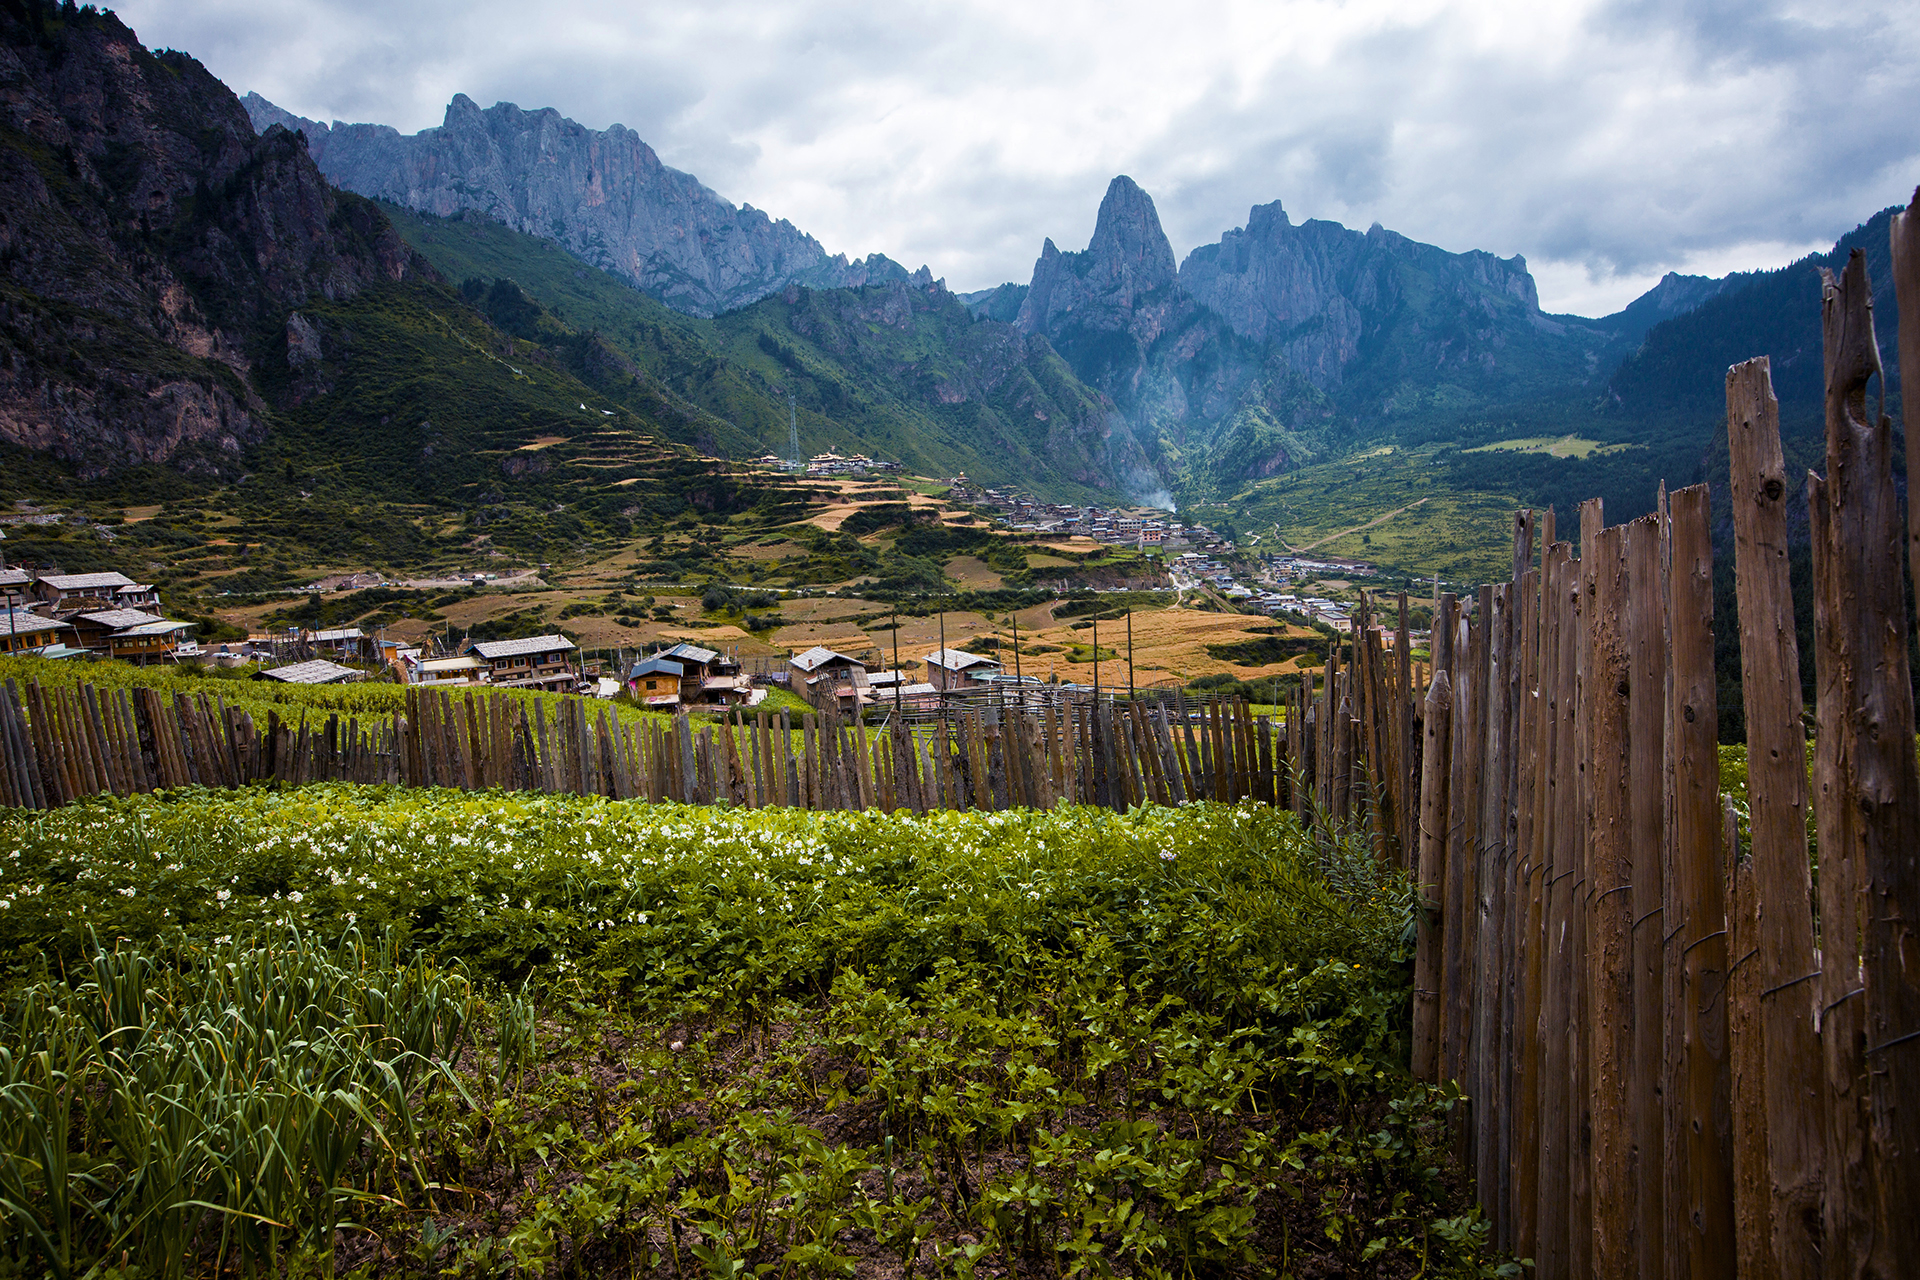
{"x": 531, "y": 1035}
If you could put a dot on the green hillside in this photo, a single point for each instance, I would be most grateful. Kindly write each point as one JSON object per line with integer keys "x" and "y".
{"x": 902, "y": 373}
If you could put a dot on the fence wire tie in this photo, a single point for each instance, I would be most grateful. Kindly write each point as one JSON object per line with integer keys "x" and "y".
{"x": 1676, "y": 933}
{"x": 1650, "y": 915}
{"x": 1742, "y": 960}
{"x": 1619, "y": 888}
{"x": 1796, "y": 982}
{"x": 1709, "y": 938}
{"x": 1911, "y": 1035}
{"x": 1842, "y": 1000}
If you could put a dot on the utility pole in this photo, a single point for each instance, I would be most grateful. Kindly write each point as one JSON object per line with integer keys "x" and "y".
{"x": 1129, "y": 655}
{"x": 1015, "y": 617}
{"x": 896, "y": 661}
{"x": 1096, "y": 662}
{"x": 793, "y": 433}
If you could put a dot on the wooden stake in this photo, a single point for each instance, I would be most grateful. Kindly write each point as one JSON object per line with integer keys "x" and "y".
{"x": 1437, "y": 771}
{"x": 1610, "y": 911}
{"x": 1787, "y": 1063}
{"x": 1646, "y": 735}
{"x": 1699, "y": 1137}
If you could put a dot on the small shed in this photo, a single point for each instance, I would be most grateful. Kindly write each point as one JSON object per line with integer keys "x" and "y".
{"x": 657, "y": 680}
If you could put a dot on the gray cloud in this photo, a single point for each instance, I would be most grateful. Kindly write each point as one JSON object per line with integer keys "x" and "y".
{"x": 1607, "y": 140}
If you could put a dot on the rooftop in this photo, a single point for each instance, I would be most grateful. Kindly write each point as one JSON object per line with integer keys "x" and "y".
{"x": 691, "y": 653}
{"x": 819, "y": 656}
{"x": 957, "y": 660}
{"x": 120, "y": 619}
{"x": 81, "y": 581}
{"x": 491, "y": 649}
{"x": 19, "y": 621}
{"x": 319, "y": 671}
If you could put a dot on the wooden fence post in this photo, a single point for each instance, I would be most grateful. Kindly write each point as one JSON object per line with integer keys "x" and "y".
{"x": 1436, "y": 770}
{"x": 1848, "y": 1188}
{"x": 1553, "y": 1212}
{"x": 1609, "y": 971}
{"x": 1522, "y": 1041}
{"x": 1879, "y": 774}
{"x": 1699, "y": 1138}
{"x": 1646, "y": 732}
{"x": 1462, "y": 866}
{"x": 1789, "y": 1048}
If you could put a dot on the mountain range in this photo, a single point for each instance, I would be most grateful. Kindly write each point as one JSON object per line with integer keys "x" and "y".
{"x": 1277, "y": 346}
{"x": 603, "y": 195}
{"x": 201, "y": 286}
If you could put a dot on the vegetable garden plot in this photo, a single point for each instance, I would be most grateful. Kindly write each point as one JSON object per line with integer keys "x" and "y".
{"x": 677, "y": 1041}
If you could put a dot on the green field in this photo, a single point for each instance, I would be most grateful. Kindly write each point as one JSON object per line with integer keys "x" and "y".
{"x": 1464, "y": 535}
{"x": 1554, "y": 447}
{"x": 354, "y": 1030}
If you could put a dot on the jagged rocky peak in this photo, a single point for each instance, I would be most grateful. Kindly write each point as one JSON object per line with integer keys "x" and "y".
{"x": 1128, "y": 244}
{"x": 602, "y": 194}
{"x": 1272, "y": 276}
{"x": 1128, "y": 258}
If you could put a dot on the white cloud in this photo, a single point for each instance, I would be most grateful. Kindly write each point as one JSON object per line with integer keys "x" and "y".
{"x": 1608, "y": 142}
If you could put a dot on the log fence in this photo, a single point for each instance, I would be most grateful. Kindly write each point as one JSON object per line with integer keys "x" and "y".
{"x": 1679, "y": 1060}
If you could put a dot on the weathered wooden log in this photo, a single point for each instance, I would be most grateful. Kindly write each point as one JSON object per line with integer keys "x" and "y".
{"x": 1788, "y": 1069}
{"x": 1429, "y": 955}
{"x": 1699, "y": 1137}
{"x": 1609, "y": 908}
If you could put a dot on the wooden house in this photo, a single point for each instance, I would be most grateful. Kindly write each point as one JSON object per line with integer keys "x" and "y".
{"x": 710, "y": 677}
{"x": 657, "y": 681}
{"x": 951, "y": 669}
{"x": 21, "y": 631}
{"x": 63, "y": 593}
{"x": 539, "y": 662}
{"x": 131, "y": 635}
{"x": 828, "y": 678}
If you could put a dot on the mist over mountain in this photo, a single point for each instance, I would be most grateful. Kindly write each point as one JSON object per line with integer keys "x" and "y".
{"x": 602, "y": 194}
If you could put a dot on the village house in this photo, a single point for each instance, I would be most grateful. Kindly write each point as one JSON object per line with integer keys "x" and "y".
{"x": 63, "y": 593}
{"x": 462, "y": 670}
{"x": 16, "y": 588}
{"x": 130, "y": 635}
{"x": 949, "y": 669}
{"x": 656, "y": 681}
{"x": 540, "y": 662}
{"x": 22, "y": 631}
{"x": 828, "y": 678}
{"x": 346, "y": 642}
{"x": 709, "y": 677}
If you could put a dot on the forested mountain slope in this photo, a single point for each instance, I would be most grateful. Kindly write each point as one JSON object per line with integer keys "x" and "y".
{"x": 902, "y": 371}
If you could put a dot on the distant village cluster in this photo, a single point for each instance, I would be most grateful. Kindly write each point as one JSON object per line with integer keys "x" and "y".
{"x": 831, "y": 464}
{"x": 1119, "y": 526}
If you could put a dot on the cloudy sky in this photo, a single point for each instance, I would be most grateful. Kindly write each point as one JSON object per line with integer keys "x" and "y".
{"x": 1607, "y": 141}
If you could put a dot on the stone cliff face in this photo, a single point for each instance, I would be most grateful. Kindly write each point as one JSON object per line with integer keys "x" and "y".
{"x": 1322, "y": 293}
{"x": 1260, "y": 345}
{"x": 154, "y": 246}
{"x": 603, "y": 195}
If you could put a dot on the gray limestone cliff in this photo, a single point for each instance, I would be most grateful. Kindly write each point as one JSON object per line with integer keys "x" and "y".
{"x": 601, "y": 194}
{"x": 1263, "y": 349}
